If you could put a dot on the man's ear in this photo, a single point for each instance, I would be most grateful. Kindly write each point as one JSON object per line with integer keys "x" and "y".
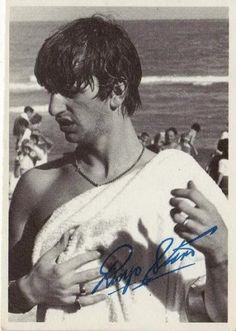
{"x": 118, "y": 95}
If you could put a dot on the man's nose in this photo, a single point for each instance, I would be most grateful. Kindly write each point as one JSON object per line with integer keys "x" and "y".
{"x": 57, "y": 104}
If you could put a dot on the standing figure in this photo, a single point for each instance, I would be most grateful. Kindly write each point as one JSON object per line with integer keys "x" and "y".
{"x": 171, "y": 139}
{"x": 187, "y": 140}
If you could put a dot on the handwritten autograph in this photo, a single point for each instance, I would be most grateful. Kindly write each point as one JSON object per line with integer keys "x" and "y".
{"x": 117, "y": 273}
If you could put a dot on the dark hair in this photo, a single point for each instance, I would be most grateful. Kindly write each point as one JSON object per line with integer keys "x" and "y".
{"x": 196, "y": 127}
{"x": 35, "y": 137}
{"x": 36, "y": 119}
{"x": 144, "y": 134}
{"x": 172, "y": 129}
{"x": 28, "y": 109}
{"x": 87, "y": 47}
{"x": 157, "y": 138}
{"x": 223, "y": 146}
{"x": 20, "y": 125}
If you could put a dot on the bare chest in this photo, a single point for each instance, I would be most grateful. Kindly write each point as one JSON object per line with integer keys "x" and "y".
{"x": 57, "y": 193}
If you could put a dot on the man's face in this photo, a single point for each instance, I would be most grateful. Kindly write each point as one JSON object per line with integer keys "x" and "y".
{"x": 170, "y": 137}
{"x": 145, "y": 140}
{"x": 29, "y": 114}
{"x": 82, "y": 118}
{"x": 33, "y": 141}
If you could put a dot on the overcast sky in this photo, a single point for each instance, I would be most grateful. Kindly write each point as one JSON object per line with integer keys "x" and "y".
{"x": 124, "y": 13}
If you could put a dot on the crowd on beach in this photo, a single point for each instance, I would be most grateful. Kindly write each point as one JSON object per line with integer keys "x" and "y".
{"x": 169, "y": 139}
{"x": 31, "y": 146}
{"x": 217, "y": 166}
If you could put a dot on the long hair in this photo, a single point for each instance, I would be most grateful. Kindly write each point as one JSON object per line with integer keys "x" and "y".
{"x": 89, "y": 47}
{"x": 20, "y": 125}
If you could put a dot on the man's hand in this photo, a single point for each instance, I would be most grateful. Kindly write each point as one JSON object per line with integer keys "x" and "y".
{"x": 199, "y": 218}
{"x": 60, "y": 284}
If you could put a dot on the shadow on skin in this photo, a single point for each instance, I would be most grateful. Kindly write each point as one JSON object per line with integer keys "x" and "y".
{"x": 20, "y": 255}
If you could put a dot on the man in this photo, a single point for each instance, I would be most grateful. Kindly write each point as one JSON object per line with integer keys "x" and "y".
{"x": 101, "y": 245}
{"x": 171, "y": 142}
{"x": 145, "y": 139}
{"x": 21, "y": 126}
{"x": 27, "y": 114}
{"x": 158, "y": 142}
{"x": 42, "y": 146}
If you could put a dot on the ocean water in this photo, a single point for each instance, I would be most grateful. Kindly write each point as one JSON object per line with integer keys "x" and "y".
{"x": 185, "y": 76}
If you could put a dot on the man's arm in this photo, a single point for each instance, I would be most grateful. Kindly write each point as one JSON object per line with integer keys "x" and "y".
{"x": 21, "y": 207}
{"x": 46, "y": 282}
{"x": 214, "y": 247}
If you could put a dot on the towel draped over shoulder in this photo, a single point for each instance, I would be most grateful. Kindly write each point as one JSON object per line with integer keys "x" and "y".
{"x": 133, "y": 210}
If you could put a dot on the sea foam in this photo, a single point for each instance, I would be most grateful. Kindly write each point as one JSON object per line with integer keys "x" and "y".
{"x": 32, "y": 84}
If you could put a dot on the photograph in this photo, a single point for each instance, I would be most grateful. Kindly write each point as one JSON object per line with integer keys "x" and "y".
{"x": 118, "y": 190}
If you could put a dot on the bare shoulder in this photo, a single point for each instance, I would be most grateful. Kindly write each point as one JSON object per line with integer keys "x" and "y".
{"x": 36, "y": 181}
{"x": 31, "y": 189}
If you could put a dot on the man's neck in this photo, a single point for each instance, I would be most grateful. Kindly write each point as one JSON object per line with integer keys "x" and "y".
{"x": 111, "y": 154}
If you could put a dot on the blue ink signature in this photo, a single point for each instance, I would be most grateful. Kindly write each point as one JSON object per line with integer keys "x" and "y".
{"x": 117, "y": 273}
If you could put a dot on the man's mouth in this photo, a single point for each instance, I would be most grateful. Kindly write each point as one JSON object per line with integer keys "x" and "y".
{"x": 64, "y": 123}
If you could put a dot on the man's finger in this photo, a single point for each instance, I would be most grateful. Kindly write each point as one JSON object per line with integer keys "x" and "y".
{"x": 183, "y": 233}
{"x": 53, "y": 253}
{"x": 183, "y": 206}
{"x": 91, "y": 299}
{"x": 191, "y": 185}
{"x": 88, "y": 287}
{"x": 191, "y": 194}
{"x": 85, "y": 276}
{"x": 79, "y": 260}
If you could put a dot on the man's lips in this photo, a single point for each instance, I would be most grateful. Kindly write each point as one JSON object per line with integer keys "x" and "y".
{"x": 64, "y": 121}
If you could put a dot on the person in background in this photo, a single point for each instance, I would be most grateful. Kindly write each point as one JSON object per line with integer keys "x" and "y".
{"x": 220, "y": 149}
{"x": 185, "y": 144}
{"x": 35, "y": 123}
{"x": 145, "y": 139}
{"x": 28, "y": 156}
{"x": 223, "y": 167}
{"x": 21, "y": 131}
{"x": 39, "y": 140}
{"x": 171, "y": 139}
{"x": 221, "y": 152}
{"x": 25, "y": 159}
{"x": 42, "y": 146}
{"x": 21, "y": 125}
{"x": 27, "y": 113}
{"x": 187, "y": 139}
{"x": 158, "y": 143}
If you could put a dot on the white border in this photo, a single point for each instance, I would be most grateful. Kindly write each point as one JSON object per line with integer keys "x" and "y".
{"x": 231, "y": 325}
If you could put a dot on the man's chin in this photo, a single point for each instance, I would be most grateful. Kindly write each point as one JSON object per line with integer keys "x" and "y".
{"x": 70, "y": 137}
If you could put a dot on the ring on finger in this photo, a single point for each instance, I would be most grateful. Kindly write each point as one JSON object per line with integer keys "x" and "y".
{"x": 83, "y": 291}
{"x": 77, "y": 303}
{"x": 184, "y": 223}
